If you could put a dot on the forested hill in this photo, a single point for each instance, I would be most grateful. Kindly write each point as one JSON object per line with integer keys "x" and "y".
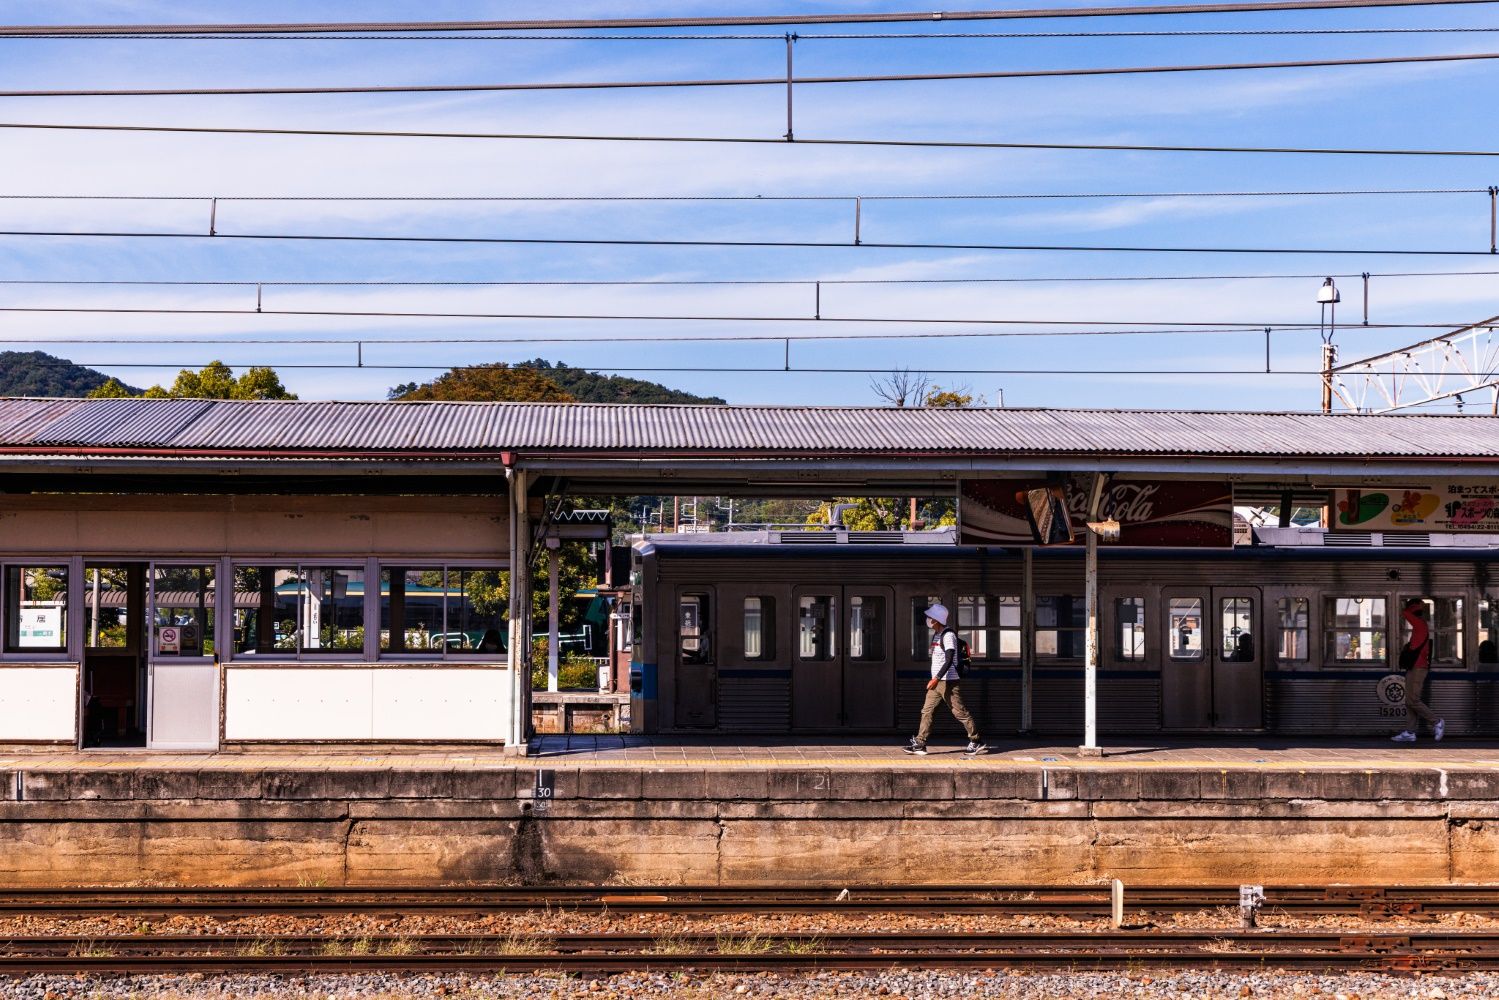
{"x": 591, "y": 387}
{"x": 33, "y": 373}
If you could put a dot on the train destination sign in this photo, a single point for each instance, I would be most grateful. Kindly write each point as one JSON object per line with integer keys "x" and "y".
{"x": 1442, "y": 506}
{"x": 1158, "y": 513}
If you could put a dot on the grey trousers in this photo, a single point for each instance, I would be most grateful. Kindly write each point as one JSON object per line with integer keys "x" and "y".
{"x": 946, "y": 692}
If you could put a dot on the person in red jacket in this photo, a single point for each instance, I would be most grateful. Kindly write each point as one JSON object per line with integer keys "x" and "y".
{"x": 1415, "y": 678}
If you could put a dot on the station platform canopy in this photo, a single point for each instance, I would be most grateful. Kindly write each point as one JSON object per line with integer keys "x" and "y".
{"x": 748, "y": 450}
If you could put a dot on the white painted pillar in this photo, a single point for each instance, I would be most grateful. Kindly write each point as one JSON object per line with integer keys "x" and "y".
{"x": 1090, "y": 649}
{"x": 554, "y": 617}
{"x": 1027, "y": 635}
{"x": 520, "y": 612}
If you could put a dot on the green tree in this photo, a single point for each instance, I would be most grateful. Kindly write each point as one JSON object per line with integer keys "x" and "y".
{"x": 35, "y": 373}
{"x": 867, "y": 513}
{"x": 112, "y": 389}
{"x": 490, "y": 383}
{"x": 215, "y": 381}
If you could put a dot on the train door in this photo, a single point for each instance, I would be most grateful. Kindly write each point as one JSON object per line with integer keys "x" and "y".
{"x": 697, "y": 662}
{"x": 817, "y": 663}
{"x": 1210, "y": 667}
{"x": 869, "y": 660}
{"x": 1237, "y": 655}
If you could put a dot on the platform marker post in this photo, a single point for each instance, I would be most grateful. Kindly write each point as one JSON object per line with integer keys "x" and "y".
{"x": 1116, "y": 903}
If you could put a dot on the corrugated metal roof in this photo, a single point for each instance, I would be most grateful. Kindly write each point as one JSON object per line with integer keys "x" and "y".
{"x": 452, "y": 429}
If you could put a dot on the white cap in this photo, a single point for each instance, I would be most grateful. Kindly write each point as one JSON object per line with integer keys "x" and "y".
{"x": 938, "y": 613}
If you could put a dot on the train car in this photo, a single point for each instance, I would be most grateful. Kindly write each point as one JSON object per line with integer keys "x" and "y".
{"x": 823, "y": 633}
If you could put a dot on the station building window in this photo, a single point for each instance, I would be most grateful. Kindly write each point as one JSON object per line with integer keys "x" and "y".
{"x": 817, "y": 627}
{"x": 1184, "y": 628}
{"x": 1355, "y": 629}
{"x": 1293, "y": 618}
{"x": 1444, "y": 615}
{"x": 442, "y": 611}
{"x": 1060, "y": 624}
{"x": 1129, "y": 628}
{"x": 106, "y": 606}
{"x": 183, "y": 611}
{"x": 866, "y": 627}
{"x": 292, "y": 611}
{"x": 759, "y": 628}
{"x": 36, "y": 609}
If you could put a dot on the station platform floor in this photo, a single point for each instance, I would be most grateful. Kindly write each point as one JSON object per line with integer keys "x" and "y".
{"x": 576, "y": 751}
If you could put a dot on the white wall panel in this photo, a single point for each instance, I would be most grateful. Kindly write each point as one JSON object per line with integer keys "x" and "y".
{"x": 184, "y": 706}
{"x": 38, "y": 703}
{"x": 433, "y": 703}
{"x": 297, "y": 703}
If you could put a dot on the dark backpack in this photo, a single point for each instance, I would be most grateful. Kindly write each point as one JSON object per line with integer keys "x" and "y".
{"x": 964, "y": 659}
{"x": 1410, "y": 656}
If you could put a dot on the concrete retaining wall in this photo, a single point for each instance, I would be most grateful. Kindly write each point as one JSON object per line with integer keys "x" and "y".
{"x": 681, "y": 825}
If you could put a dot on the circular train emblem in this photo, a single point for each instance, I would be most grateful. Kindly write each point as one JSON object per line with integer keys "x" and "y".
{"x": 1392, "y": 690}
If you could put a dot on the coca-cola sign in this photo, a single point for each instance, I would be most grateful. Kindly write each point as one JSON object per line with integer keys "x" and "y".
{"x": 1158, "y": 513}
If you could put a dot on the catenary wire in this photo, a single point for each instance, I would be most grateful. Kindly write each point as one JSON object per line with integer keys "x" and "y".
{"x": 770, "y": 81}
{"x": 753, "y": 140}
{"x": 813, "y": 36}
{"x": 745, "y": 244}
{"x": 548, "y": 198}
{"x": 1216, "y": 326}
{"x": 81, "y": 30}
{"x": 672, "y": 282}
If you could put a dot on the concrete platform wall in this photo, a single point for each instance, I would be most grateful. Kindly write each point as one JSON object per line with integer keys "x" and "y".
{"x": 682, "y": 825}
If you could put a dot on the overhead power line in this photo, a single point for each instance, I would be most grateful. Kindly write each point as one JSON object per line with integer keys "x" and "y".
{"x": 384, "y": 27}
{"x": 1218, "y": 326}
{"x": 808, "y": 37}
{"x": 797, "y": 244}
{"x": 771, "y": 81}
{"x": 758, "y": 140}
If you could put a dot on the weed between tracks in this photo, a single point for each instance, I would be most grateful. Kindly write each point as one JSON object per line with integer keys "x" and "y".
{"x": 262, "y": 948}
{"x": 88, "y": 949}
{"x": 339, "y": 948}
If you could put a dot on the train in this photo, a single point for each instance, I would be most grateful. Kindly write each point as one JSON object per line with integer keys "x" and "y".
{"x": 1296, "y": 631}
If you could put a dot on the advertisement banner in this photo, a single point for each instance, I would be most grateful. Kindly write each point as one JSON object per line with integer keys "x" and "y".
{"x": 1159, "y": 513}
{"x": 1434, "y": 507}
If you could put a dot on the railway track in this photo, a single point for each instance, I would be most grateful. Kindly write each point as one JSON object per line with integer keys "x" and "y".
{"x": 1361, "y": 946}
{"x": 1412, "y": 902}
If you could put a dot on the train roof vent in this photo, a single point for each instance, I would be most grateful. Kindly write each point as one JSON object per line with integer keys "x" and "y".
{"x": 809, "y": 537}
{"x": 873, "y": 537}
{"x": 1348, "y": 539}
{"x": 1409, "y": 540}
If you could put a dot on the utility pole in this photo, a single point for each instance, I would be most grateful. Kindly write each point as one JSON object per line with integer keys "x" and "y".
{"x": 1328, "y": 298}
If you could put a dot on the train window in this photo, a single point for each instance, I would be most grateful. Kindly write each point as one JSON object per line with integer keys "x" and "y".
{"x": 921, "y": 636}
{"x": 1236, "y": 629}
{"x": 1059, "y": 627}
{"x": 1488, "y": 630}
{"x": 1129, "y": 628}
{"x": 1355, "y": 629}
{"x": 36, "y": 609}
{"x": 759, "y": 628}
{"x": 973, "y": 625}
{"x": 1445, "y": 617}
{"x": 1184, "y": 628}
{"x": 866, "y": 627}
{"x": 817, "y": 628}
{"x": 1294, "y": 617}
{"x": 693, "y": 628}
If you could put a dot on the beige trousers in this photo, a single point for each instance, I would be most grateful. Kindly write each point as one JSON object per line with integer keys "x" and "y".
{"x": 1415, "y": 680}
{"x": 945, "y": 693}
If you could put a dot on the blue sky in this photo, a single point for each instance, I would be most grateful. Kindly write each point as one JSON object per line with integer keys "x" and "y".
{"x": 1439, "y": 106}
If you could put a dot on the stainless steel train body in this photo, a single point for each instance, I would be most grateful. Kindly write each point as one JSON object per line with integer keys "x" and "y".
{"x": 768, "y": 633}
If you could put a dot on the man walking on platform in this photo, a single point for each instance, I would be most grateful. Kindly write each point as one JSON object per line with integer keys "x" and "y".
{"x": 1415, "y": 660}
{"x": 948, "y": 661}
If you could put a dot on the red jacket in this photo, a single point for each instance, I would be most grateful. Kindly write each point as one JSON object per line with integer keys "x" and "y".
{"x": 1420, "y": 638}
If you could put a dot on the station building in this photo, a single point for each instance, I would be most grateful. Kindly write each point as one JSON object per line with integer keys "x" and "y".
{"x": 241, "y": 575}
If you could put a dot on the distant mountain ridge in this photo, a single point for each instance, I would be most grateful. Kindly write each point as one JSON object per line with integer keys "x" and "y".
{"x": 36, "y": 373}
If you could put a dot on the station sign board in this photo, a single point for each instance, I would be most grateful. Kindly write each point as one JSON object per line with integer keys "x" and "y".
{"x": 1151, "y": 512}
{"x": 1438, "y": 506}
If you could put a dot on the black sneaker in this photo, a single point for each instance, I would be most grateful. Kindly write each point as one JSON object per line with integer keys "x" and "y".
{"x": 915, "y": 747}
{"x": 975, "y": 748}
